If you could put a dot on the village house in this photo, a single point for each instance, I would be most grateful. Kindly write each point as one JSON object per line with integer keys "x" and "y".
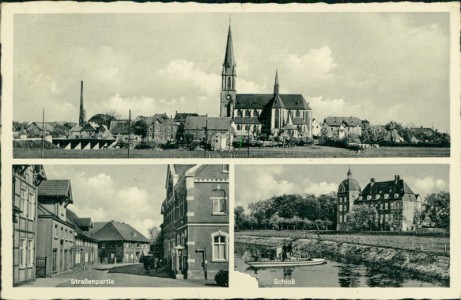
{"x": 26, "y": 179}
{"x": 422, "y": 134}
{"x": 120, "y": 128}
{"x": 86, "y": 244}
{"x": 202, "y": 129}
{"x": 119, "y": 242}
{"x": 342, "y": 126}
{"x": 196, "y": 220}
{"x": 55, "y": 232}
{"x": 161, "y": 128}
{"x": 180, "y": 118}
{"x": 397, "y": 206}
{"x": 316, "y": 128}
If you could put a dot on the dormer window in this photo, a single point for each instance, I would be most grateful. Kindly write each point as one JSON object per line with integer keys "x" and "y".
{"x": 360, "y": 197}
{"x": 396, "y": 195}
{"x": 377, "y": 196}
{"x": 386, "y": 196}
{"x": 369, "y": 197}
{"x": 225, "y": 168}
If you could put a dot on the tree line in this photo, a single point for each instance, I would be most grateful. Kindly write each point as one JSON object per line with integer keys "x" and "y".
{"x": 292, "y": 211}
{"x": 311, "y": 212}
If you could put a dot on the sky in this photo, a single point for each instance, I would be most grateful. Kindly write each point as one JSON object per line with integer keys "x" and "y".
{"x": 132, "y": 194}
{"x": 376, "y": 66}
{"x": 260, "y": 182}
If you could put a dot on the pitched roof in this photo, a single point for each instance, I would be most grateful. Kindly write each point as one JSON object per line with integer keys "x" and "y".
{"x": 49, "y": 126}
{"x": 181, "y": 169}
{"x": 79, "y": 223}
{"x": 119, "y": 127}
{"x": 422, "y": 131}
{"x": 338, "y": 121}
{"x": 212, "y": 123}
{"x": 392, "y": 187}
{"x": 254, "y": 101}
{"x": 115, "y": 231}
{"x": 211, "y": 171}
{"x": 181, "y": 117}
{"x": 55, "y": 188}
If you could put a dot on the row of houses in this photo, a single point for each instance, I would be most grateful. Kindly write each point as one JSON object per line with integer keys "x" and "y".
{"x": 49, "y": 238}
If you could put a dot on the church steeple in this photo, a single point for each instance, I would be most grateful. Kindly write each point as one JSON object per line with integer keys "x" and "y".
{"x": 82, "y": 115}
{"x": 229, "y": 61}
{"x": 276, "y": 84}
{"x": 228, "y": 92}
{"x": 349, "y": 173}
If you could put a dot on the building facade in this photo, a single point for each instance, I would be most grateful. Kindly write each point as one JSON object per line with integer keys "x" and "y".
{"x": 261, "y": 113}
{"x": 160, "y": 128}
{"x": 119, "y": 243}
{"x": 55, "y": 232}
{"x": 196, "y": 220}
{"x": 394, "y": 206}
{"x": 341, "y": 127}
{"x": 26, "y": 179}
{"x": 86, "y": 245}
{"x": 203, "y": 129}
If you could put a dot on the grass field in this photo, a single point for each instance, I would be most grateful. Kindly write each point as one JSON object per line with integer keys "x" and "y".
{"x": 296, "y": 152}
{"x": 438, "y": 245}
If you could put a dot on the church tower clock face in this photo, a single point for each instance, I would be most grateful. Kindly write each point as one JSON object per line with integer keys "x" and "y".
{"x": 228, "y": 97}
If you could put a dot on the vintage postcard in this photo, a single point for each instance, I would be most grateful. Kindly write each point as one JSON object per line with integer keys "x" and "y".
{"x": 186, "y": 150}
{"x": 231, "y": 85}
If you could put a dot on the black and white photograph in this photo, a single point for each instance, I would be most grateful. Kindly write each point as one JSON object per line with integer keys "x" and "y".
{"x": 231, "y": 85}
{"x": 343, "y": 226}
{"x": 99, "y": 226}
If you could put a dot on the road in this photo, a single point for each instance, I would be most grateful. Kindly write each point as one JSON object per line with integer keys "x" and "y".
{"x": 132, "y": 275}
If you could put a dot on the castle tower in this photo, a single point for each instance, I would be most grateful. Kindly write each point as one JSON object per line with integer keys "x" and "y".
{"x": 348, "y": 191}
{"x": 82, "y": 115}
{"x": 228, "y": 92}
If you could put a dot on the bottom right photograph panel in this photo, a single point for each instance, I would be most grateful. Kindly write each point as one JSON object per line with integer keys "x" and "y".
{"x": 336, "y": 225}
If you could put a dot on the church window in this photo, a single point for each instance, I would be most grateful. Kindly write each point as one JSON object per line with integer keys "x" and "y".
{"x": 228, "y": 83}
{"x": 247, "y": 113}
{"x": 297, "y": 114}
{"x": 239, "y": 127}
{"x": 277, "y": 118}
{"x": 247, "y": 127}
{"x": 239, "y": 113}
{"x": 255, "y": 113}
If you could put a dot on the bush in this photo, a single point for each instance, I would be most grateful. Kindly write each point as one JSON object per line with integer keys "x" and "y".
{"x": 33, "y": 144}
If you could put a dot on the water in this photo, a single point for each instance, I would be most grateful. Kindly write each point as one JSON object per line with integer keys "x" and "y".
{"x": 332, "y": 274}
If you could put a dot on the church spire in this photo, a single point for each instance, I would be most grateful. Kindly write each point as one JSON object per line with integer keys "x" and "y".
{"x": 276, "y": 84}
{"x": 82, "y": 115}
{"x": 229, "y": 61}
{"x": 349, "y": 173}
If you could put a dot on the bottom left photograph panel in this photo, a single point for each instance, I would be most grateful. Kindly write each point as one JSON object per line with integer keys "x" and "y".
{"x": 120, "y": 225}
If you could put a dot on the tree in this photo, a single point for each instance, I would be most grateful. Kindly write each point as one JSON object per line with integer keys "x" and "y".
{"x": 141, "y": 128}
{"x": 437, "y": 208}
{"x": 362, "y": 217}
{"x": 180, "y": 138}
{"x": 154, "y": 232}
{"x": 240, "y": 218}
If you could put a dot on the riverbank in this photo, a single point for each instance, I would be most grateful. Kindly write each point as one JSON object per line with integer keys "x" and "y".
{"x": 416, "y": 262}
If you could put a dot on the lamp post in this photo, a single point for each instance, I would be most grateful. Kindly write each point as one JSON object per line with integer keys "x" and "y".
{"x": 204, "y": 261}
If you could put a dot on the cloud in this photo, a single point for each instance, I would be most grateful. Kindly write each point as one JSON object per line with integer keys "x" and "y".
{"x": 319, "y": 188}
{"x": 102, "y": 199}
{"x": 316, "y": 63}
{"x": 264, "y": 182}
{"x": 426, "y": 185}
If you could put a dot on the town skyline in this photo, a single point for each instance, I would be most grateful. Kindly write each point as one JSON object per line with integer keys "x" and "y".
{"x": 103, "y": 193}
{"x": 266, "y": 181}
{"x": 159, "y": 64}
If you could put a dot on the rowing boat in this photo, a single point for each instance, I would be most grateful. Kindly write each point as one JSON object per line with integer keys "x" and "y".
{"x": 286, "y": 263}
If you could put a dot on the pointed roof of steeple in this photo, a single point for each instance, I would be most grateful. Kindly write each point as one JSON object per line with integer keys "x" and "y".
{"x": 229, "y": 61}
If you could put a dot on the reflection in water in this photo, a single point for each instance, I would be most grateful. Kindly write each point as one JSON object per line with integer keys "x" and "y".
{"x": 336, "y": 273}
{"x": 348, "y": 276}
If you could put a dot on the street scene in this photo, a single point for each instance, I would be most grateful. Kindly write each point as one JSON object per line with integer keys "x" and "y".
{"x": 229, "y": 89}
{"x": 343, "y": 226}
{"x": 109, "y": 225}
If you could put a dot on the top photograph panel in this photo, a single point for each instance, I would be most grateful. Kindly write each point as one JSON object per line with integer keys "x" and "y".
{"x": 231, "y": 85}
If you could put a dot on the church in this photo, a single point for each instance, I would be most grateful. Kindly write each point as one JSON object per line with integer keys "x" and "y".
{"x": 270, "y": 114}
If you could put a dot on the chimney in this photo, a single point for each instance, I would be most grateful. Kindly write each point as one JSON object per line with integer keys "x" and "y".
{"x": 372, "y": 181}
{"x": 397, "y": 178}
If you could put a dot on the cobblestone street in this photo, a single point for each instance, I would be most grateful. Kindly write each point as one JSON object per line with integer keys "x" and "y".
{"x": 128, "y": 275}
